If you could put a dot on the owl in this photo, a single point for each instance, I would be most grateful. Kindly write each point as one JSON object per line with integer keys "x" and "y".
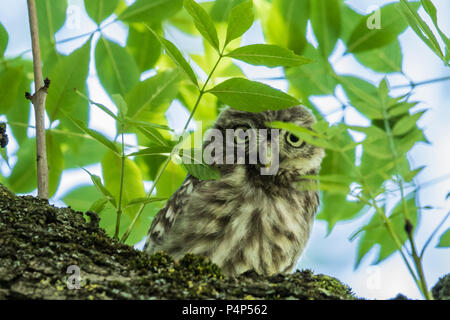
{"x": 246, "y": 220}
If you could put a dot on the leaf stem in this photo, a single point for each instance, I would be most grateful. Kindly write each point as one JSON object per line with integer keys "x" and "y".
{"x": 417, "y": 260}
{"x": 387, "y": 222}
{"x": 122, "y": 174}
{"x": 416, "y": 84}
{"x": 433, "y": 234}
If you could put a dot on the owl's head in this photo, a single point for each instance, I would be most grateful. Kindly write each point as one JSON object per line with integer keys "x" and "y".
{"x": 294, "y": 156}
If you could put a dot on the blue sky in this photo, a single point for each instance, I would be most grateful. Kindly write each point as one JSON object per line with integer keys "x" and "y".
{"x": 335, "y": 254}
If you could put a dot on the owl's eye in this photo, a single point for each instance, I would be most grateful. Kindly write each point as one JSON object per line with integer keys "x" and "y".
{"x": 240, "y": 134}
{"x": 294, "y": 141}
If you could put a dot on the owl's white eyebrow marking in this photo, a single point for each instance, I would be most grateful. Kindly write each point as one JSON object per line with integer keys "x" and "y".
{"x": 189, "y": 188}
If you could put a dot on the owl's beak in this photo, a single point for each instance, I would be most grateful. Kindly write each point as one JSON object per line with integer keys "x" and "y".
{"x": 268, "y": 157}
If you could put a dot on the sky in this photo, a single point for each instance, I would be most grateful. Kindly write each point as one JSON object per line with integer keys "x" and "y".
{"x": 333, "y": 254}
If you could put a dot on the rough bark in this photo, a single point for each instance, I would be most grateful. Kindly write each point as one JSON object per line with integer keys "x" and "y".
{"x": 39, "y": 242}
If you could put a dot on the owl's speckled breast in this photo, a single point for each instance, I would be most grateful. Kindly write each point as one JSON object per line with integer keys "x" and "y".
{"x": 241, "y": 227}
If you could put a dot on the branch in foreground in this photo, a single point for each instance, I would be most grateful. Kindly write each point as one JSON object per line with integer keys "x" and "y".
{"x": 38, "y": 101}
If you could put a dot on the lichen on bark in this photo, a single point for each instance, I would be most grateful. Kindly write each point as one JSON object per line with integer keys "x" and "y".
{"x": 38, "y": 242}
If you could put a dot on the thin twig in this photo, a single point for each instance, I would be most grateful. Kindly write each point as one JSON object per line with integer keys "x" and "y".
{"x": 421, "y": 83}
{"x": 38, "y": 101}
{"x": 433, "y": 234}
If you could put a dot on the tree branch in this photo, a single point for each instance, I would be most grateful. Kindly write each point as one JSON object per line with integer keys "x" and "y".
{"x": 38, "y": 101}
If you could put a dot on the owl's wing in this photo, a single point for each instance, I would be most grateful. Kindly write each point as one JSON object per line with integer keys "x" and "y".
{"x": 166, "y": 217}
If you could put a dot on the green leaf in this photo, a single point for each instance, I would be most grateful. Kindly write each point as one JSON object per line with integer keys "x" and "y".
{"x": 143, "y": 46}
{"x": 431, "y": 10}
{"x": 198, "y": 168}
{"x": 86, "y": 153}
{"x": 405, "y": 142}
{"x": 202, "y": 22}
{"x": 68, "y": 132}
{"x": 51, "y": 15}
{"x": 386, "y": 59}
{"x": 23, "y": 175}
{"x": 116, "y": 68}
{"x": 363, "y": 96}
{"x": 336, "y": 208}
{"x": 153, "y": 151}
{"x": 149, "y": 11}
{"x": 3, "y": 40}
{"x": 55, "y": 162}
{"x": 86, "y": 197}
{"x": 69, "y": 72}
{"x": 240, "y": 20}
{"x": 170, "y": 180}
{"x": 421, "y": 28}
{"x": 326, "y": 23}
{"x": 98, "y": 205}
{"x": 375, "y": 231}
{"x": 99, "y": 105}
{"x": 444, "y": 241}
{"x": 177, "y": 57}
{"x": 145, "y": 124}
{"x": 401, "y": 108}
{"x": 10, "y": 81}
{"x": 20, "y": 113}
{"x": 314, "y": 78}
{"x": 82, "y": 198}
{"x": 100, "y": 187}
{"x": 221, "y": 9}
{"x": 133, "y": 186}
{"x": 268, "y": 55}
{"x": 341, "y": 164}
{"x": 392, "y": 24}
{"x": 99, "y": 10}
{"x": 153, "y": 92}
{"x": 121, "y": 106}
{"x": 144, "y": 200}
{"x": 94, "y": 134}
{"x": 284, "y": 22}
{"x": 406, "y": 124}
{"x": 303, "y": 133}
{"x": 153, "y": 136}
{"x": 246, "y": 95}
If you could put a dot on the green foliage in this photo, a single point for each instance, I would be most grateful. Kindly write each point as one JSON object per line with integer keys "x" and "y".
{"x": 69, "y": 72}
{"x": 363, "y": 38}
{"x": 116, "y": 68}
{"x": 284, "y": 23}
{"x": 51, "y": 15}
{"x": 268, "y": 55}
{"x": 444, "y": 241}
{"x": 150, "y": 11}
{"x": 203, "y": 23}
{"x": 143, "y": 46}
{"x": 239, "y": 20}
{"x": 246, "y": 95}
{"x": 198, "y": 168}
{"x": 352, "y": 183}
{"x": 99, "y": 10}
{"x": 326, "y": 22}
{"x": 3, "y": 40}
{"x": 423, "y": 30}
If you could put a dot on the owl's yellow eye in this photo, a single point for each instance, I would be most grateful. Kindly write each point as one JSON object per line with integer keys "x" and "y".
{"x": 294, "y": 141}
{"x": 240, "y": 134}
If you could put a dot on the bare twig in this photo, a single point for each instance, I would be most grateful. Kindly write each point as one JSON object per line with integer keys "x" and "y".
{"x": 38, "y": 101}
